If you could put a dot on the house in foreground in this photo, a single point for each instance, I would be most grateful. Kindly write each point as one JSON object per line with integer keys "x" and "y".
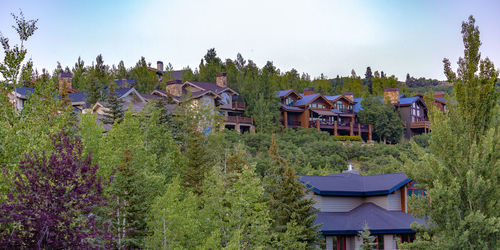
{"x": 348, "y": 201}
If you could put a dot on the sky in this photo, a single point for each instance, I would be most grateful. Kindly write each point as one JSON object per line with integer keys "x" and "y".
{"x": 315, "y": 36}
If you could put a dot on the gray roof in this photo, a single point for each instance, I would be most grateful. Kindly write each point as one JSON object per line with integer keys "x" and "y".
{"x": 210, "y": 86}
{"x": 379, "y": 221}
{"x": 24, "y": 91}
{"x": 122, "y": 82}
{"x": 65, "y": 74}
{"x": 78, "y": 96}
{"x": 348, "y": 184}
{"x": 306, "y": 99}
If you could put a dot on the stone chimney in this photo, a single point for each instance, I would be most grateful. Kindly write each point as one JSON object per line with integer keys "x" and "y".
{"x": 391, "y": 95}
{"x": 65, "y": 79}
{"x": 174, "y": 88}
{"x": 439, "y": 94}
{"x": 309, "y": 91}
{"x": 159, "y": 66}
{"x": 221, "y": 80}
{"x": 349, "y": 95}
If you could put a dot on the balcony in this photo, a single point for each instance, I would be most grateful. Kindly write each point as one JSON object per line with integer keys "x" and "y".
{"x": 239, "y": 105}
{"x": 420, "y": 124}
{"x": 239, "y": 119}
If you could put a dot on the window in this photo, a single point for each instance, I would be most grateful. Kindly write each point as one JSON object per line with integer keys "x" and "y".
{"x": 226, "y": 99}
{"x": 289, "y": 101}
{"x": 406, "y": 237}
{"x": 340, "y": 105}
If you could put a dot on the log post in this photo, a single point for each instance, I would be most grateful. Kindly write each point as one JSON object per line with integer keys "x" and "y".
{"x": 351, "y": 132}
{"x": 359, "y": 129}
{"x": 317, "y": 124}
{"x": 335, "y": 128}
{"x": 285, "y": 119}
{"x": 369, "y": 132}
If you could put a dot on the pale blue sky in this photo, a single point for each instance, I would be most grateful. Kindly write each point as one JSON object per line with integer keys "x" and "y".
{"x": 317, "y": 36}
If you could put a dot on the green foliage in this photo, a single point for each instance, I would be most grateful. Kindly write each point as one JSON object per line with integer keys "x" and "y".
{"x": 461, "y": 170}
{"x": 145, "y": 79}
{"x": 14, "y": 56}
{"x": 288, "y": 206}
{"x": 386, "y": 122}
{"x": 114, "y": 111}
{"x": 348, "y": 138}
{"x": 197, "y": 161}
{"x": 367, "y": 239}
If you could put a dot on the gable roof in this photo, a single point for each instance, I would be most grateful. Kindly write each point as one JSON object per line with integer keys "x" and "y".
{"x": 124, "y": 92}
{"x": 210, "y": 86}
{"x": 306, "y": 99}
{"x": 408, "y": 100}
{"x": 379, "y": 220}
{"x": 348, "y": 184}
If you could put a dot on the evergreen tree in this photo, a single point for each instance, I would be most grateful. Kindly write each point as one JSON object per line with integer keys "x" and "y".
{"x": 461, "y": 170}
{"x": 368, "y": 240}
{"x": 128, "y": 199}
{"x": 287, "y": 203}
{"x": 121, "y": 71}
{"x": 368, "y": 79}
{"x": 114, "y": 111}
{"x": 196, "y": 161}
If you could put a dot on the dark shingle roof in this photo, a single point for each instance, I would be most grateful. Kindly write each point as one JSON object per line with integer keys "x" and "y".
{"x": 379, "y": 221}
{"x": 122, "y": 83}
{"x": 209, "y": 86}
{"x": 306, "y": 99}
{"x": 357, "y": 106}
{"x": 24, "y": 91}
{"x": 408, "y": 100}
{"x": 176, "y": 74}
{"x": 65, "y": 74}
{"x": 291, "y": 108}
{"x": 122, "y": 91}
{"x": 332, "y": 97}
{"x": 348, "y": 184}
{"x": 78, "y": 96}
{"x": 282, "y": 93}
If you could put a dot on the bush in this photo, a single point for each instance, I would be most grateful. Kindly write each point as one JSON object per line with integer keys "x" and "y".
{"x": 348, "y": 138}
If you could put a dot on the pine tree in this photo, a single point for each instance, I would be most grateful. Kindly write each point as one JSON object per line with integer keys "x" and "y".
{"x": 197, "y": 159}
{"x": 114, "y": 111}
{"x": 287, "y": 202}
{"x": 368, "y": 240}
{"x": 128, "y": 199}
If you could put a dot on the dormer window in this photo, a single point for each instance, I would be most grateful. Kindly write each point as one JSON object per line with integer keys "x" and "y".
{"x": 289, "y": 101}
{"x": 340, "y": 105}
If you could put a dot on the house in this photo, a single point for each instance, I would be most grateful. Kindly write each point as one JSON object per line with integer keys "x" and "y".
{"x": 347, "y": 201}
{"x": 413, "y": 110}
{"x": 334, "y": 114}
{"x": 216, "y": 95}
{"x": 19, "y": 96}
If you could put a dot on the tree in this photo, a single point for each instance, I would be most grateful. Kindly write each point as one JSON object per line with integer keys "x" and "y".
{"x": 461, "y": 170}
{"x": 122, "y": 71}
{"x": 53, "y": 201}
{"x": 386, "y": 122}
{"x": 265, "y": 113}
{"x": 145, "y": 79}
{"x": 368, "y": 79}
{"x": 114, "y": 111}
{"x": 197, "y": 159}
{"x": 287, "y": 203}
{"x": 127, "y": 197}
{"x": 367, "y": 239}
{"x": 14, "y": 56}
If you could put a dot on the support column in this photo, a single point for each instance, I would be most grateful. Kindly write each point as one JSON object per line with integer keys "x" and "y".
{"x": 369, "y": 132}
{"x": 285, "y": 119}
{"x": 317, "y": 124}
{"x": 335, "y": 128}
{"x": 237, "y": 128}
{"x": 252, "y": 129}
{"x": 351, "y": 132}
{"x": 359, "y": 129}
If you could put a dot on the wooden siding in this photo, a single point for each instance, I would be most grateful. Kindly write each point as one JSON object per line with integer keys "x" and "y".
{"x": 394, "y": 201}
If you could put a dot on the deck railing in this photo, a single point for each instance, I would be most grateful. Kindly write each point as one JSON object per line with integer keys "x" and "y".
{"x": 239, "y": 119}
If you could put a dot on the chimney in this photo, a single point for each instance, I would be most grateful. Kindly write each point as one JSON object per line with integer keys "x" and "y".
{"x": 159, "y": 66}
{"x": 221, "y": 80}
{"x": 391, "y": 95}
{"x": 309, "y": 91}
{"x": 174, "y": 88}
{"x": 65, "y": 79}
{"x": 349, "y": 95}
{"x": 439, "y": 94}
{"x": 350, "y": 170}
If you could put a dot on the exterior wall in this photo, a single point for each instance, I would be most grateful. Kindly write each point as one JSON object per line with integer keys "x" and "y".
{"x": 336, "y": 203}
{"x": 394, "y": 201}
{"x": 329, "y": 242}
{"x": 191, "y": 89}
{"x": 380, "y": 201}
{"x": 174, "y": 89}
{"x": 391, "y": 96}
{"x": 389, "y": 242}
{"x": 404, "y": 112}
